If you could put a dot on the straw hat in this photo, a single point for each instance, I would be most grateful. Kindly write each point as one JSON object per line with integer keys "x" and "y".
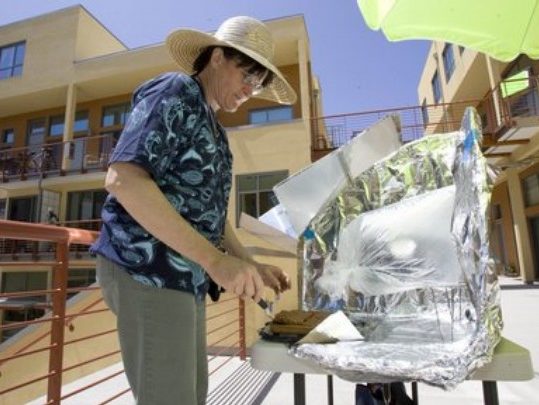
{"x": 245, "y": 34}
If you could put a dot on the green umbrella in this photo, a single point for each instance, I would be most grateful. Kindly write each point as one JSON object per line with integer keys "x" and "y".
{"x": 502, "y": 29}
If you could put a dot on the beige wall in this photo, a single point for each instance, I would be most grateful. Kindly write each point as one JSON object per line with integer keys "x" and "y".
{"x": 93, "y": 39}
{"x": 469, "y": 80}
{"x": 49, "y": 53}
{"x": 52, "y": 45}
{"x": 267, "y": 148}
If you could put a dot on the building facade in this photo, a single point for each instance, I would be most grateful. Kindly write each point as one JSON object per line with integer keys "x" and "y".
{"x": 65, "y": 89}
{"x": 506, "y": 96}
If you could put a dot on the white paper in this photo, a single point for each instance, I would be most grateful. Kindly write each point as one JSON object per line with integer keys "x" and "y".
{"x": 336, "y": 327}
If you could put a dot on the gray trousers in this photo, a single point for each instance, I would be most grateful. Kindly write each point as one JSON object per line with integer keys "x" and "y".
{"x": 162, "y": 338}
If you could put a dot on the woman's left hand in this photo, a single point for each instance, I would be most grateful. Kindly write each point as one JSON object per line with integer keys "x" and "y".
{"x": 273, "y": 277}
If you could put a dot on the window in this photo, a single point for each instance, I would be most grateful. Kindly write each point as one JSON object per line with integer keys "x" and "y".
{"x": 84, "y": 206}
{"x": 449, "y": 61}
{"x": 56, "y": 125}
{"x": 11, "y": 60}
{"x": 436, "y": 87}
{"x": 35, "y": 134}
{"x": 255, "y": 195}
{"x": 115, "y": 115}
{"x": 78, "y": 278}
{"x": 3, "y": 205}
{"x": 8, "y": 136}
{"x": 18, "y": 315}
{"x": 81, "y": 123}
{"x": 24, "y": 281}
{"x": 533, "y": 224}
{"x": 531, "y": 190}
{"x": 515, "y": 83}
{"x": 273, "y": 114}
{"x": 425, "y": 113}
{"x": 22, "y": 209}
{"x": 496, "y": 211}
{"x": 22, "y": 308}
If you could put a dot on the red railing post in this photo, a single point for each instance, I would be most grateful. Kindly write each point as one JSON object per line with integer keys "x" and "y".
{"x": 243, "y": 345}
{"x": 59, "y": 283}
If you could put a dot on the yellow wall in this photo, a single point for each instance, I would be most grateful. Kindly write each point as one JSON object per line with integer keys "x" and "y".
{"x": 49, "y": 51}
{"x": 93, "y": 39}
{"x": 53, "y": 43}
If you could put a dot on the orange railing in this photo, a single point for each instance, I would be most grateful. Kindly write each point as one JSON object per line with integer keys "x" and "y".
{"x": 45, "y": 342}
{"x": 13, "y": 249}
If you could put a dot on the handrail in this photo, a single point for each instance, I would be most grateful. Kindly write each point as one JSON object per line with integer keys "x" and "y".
{"x": 226, "y": 325}
{"x": 46, "y": 233}
{"x": 497, "y": 111}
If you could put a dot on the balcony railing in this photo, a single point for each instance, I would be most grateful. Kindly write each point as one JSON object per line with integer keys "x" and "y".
{"x": 59, "y": 158}
{"x": 20, "y": 249}
{"x": 416, "y": 121}
{"x": 510, "y": 99}
{"x": 47, "y": 345}
{"x": 498, "y": 110}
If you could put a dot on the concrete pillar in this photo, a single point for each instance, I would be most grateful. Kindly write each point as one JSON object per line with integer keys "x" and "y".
{"x": 495, "y": 77}
{"x": 304, "y": 92}
{"x": 69, "y": 119}
{"x": 520, "y": 224}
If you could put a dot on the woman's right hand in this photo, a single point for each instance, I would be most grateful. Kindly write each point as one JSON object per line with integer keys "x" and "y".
{"x": 236, "y": 276}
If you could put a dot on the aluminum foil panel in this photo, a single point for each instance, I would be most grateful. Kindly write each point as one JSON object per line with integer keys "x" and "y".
{"x": 305, "y": 192}
{"x": 403, "y": 250}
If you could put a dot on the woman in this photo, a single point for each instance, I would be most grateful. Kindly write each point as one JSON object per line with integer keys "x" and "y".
{"x": 164, "y": 232}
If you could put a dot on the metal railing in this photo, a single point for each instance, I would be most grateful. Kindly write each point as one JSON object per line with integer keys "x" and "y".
{"x": 79, "y": 155}
{"x": 15, "y": 249}
{"x": 416, "y": 121}
{"x": 43, "y": 341}
{"x": 498, "y": 110}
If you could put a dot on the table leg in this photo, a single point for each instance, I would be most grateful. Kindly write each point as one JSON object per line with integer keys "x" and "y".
{"x": 490, "y": 393}
{"x": 330, "y": 389}
{"x": 299, "y": 389}
{"x": 415, "y": 394}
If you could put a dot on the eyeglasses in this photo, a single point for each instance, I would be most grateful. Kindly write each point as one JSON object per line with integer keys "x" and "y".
{"x": 254, "y": 81}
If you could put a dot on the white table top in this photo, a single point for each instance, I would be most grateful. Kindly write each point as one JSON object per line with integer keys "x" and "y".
{"x": 511, "y": 362}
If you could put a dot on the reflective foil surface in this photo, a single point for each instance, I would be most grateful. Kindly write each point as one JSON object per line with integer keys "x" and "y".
{"x": 403, "y": 250}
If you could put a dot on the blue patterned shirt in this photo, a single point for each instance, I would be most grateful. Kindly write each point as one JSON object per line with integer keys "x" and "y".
{"x": 172, "y": 133}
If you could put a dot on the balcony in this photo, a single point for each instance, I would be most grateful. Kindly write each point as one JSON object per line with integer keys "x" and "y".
{"x": 509, "y": 113}
{"x": 81, "y": 155}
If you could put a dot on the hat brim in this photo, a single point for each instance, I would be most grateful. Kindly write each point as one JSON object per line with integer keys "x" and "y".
{"x": 185, "y": 45}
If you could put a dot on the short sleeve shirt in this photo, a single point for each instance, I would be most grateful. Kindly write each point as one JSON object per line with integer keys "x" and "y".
{"x": 172, "y": 133}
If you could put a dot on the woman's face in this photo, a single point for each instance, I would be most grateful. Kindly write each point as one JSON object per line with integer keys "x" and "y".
{"x": 234, "y": 85}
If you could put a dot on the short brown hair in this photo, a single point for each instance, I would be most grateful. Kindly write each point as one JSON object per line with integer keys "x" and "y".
{"x": 244, "y": 61}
